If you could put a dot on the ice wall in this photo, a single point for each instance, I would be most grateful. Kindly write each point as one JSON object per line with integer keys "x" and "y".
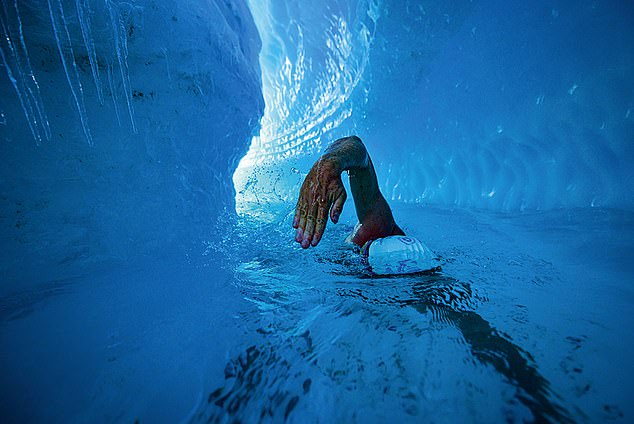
{"x": 121, "y": 123}
{"x": 503, "y": 105}
{"x": 314, "y": 57}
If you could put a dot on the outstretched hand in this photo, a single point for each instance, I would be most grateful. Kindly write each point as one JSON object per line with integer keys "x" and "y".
{"x": 322, "y": 193}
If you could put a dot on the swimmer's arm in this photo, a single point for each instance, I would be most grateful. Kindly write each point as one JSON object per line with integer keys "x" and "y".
{"x": 323, "y": 191}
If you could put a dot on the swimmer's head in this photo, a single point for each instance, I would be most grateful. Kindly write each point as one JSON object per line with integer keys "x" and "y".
{"x": 399, "y": 255}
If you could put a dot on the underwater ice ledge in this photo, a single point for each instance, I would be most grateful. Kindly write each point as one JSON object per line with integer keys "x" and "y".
{"x": 185, "y": 76}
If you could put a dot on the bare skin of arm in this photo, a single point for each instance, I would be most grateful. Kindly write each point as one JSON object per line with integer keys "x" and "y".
{"x": 323, "y": 194}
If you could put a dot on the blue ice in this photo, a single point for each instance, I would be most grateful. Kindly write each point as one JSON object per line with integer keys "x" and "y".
{"x": 152, "y": 152}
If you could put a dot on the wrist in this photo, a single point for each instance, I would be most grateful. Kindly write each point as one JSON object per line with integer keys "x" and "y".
{"x": 332, "y": 163}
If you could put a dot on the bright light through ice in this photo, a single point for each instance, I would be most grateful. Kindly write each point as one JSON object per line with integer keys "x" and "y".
{"x": 306, "y": 86}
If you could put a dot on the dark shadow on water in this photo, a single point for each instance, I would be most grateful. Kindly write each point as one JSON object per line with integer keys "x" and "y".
{"x": 264, "y": 383}
{"x": 21, "y": 304}
{"x": 489, "y": 346}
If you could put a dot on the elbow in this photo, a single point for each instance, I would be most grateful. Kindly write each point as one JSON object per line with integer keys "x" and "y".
{"x": 355, "y": 139}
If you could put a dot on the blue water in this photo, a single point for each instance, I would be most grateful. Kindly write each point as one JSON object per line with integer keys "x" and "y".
{"x": 513, "y": 328}
{"x": 152, "y": 152}
{"x": 527, "y": 320}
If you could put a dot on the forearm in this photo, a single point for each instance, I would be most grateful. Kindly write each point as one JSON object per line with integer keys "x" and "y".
{"x": 323, "y": 194}
{"x": 347, "y": 154}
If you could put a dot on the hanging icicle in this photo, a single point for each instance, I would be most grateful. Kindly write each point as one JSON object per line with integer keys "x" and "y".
{"x": 121, "y": 49}
{"x": 15, "y": 58}
{"x": 83, "y": 13}
{"x": 65, "y": 47}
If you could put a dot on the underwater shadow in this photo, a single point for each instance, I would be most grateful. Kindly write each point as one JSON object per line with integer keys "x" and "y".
{"x": 444, "y": 296}
{"x": 265, "y": 382}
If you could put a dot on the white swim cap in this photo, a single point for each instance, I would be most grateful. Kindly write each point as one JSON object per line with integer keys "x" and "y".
{"x": 399, "y": 255}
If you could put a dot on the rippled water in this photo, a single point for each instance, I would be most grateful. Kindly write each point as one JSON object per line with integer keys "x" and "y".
{"x": 529, "y": 319}
{"x": 511, "y": 329}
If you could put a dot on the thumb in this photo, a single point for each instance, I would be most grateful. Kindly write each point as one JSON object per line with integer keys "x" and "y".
{"x": 337, "y": 207}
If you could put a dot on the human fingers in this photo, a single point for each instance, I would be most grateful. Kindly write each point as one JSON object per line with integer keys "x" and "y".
{"x": 337, "y": 206}
{"x": 302, "y": 204}
{"x": 311, "y": 216}
{"x": 296, "y": 217}
{"x": 305, "y": 198}
{"x": 320, "y": 223}
{"x": 297, "y": 213}
{"x": 300, "y": 213}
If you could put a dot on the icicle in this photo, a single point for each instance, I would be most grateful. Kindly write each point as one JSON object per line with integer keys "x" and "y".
{"x": 65, "y": 47}
{"x": 121, "y": 48}
{"x": 33, "y": 88}
{"x": 167, "y": 63}
{"x": 83, "y": 13}
{"x": 18, "y": 65}
{"x": 114, "y": 93}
